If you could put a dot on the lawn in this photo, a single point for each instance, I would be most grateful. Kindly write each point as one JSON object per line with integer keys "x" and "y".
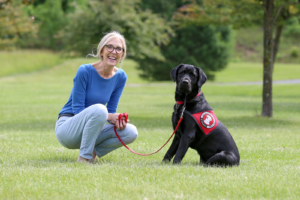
{"x": 24, "y": 61}
{"x": 33, "y": 165}
{"x": 249, "y": 46}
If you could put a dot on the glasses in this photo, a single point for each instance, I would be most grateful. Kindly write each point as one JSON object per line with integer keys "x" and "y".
{"x": 111, "y": 48}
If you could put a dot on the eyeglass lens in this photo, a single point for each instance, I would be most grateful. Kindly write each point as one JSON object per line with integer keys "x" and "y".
{"x": 110, "y": 48}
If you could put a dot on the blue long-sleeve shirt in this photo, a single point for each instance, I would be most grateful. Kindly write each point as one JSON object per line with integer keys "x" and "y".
{"x": 90, "y": 88}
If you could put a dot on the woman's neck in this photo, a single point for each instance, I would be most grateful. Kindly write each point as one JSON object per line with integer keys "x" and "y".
{"x": 103, "y": 70}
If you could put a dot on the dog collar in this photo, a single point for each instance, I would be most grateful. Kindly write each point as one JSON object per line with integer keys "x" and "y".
{"x": 181, "y": 102}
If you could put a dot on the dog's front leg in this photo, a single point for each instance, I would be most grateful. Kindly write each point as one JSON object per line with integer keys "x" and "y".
{"x": 172, "y": 150}
{"x": 187, "y": 137}
{"x": 174, "y": 146}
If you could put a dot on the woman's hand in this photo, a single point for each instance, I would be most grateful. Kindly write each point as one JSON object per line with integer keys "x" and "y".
{"x": 114, "y": 119}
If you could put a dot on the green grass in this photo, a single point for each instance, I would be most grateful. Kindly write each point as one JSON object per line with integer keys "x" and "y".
{"x": 24, "y": 61}
{"x": 244, "y": 72}
{"x": 249, "y": 46}
{"x": 33, "y": 165}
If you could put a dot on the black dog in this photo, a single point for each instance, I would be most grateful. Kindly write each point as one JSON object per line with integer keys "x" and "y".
{"x": 200, "y": 129}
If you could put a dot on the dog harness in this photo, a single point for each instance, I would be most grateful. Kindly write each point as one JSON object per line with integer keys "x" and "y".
{"x": 206, "y": 120}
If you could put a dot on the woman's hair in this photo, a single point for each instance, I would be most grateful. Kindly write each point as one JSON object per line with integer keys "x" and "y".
{"x": 105, "y": 39}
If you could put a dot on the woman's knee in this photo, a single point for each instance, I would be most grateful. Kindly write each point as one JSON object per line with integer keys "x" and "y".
{"x": 132, "y": 133}
{"x": 99, "y": 111}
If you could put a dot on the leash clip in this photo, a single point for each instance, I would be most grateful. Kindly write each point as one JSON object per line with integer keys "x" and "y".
{"x": 183, "y": 109}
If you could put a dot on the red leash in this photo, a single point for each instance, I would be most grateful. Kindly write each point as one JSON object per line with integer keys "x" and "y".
{"x": 126, "y": 118}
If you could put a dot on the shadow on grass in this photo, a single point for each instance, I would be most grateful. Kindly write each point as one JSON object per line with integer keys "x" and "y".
{"x": 65, "y": 160}
{"x": 42, "y": 162}
{"x": 254, "y": 106}
{"x": 161, "y": 122}
{"x": 249, "y": 122}
{"x": 34, "y": 125}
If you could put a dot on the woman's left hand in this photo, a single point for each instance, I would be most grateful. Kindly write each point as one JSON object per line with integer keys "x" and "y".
{"x": 122, "y": 123}
{"x": 114, "y": 119}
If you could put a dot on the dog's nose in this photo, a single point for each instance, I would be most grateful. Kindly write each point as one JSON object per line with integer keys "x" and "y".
{"x": 185, "y": 81}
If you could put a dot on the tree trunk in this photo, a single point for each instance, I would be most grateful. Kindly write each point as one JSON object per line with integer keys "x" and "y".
{"x": 276, "y": 42}
{"x": 267, "y": 106}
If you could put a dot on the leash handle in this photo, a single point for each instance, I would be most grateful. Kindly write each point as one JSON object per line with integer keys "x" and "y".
{"x": 126, "y": 118}
{"x": 123, "y": 115}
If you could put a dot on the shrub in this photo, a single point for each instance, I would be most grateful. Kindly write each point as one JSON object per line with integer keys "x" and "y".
{"x": 295, "y": 52}
{"x": 202, "y": 46}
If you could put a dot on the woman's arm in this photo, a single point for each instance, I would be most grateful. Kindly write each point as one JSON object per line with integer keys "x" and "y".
{"x": 79, "y": 90}
{"x": 114, "y": 101}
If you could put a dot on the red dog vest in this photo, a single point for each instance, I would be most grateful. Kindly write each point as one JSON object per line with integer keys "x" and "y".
{"x": 206, "y": 120}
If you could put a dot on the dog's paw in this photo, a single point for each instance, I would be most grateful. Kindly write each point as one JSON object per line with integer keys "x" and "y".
{"x": 176, "y": 162}
{"x": 166, "y": 160}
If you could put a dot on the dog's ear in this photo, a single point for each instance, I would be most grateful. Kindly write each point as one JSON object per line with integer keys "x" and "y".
{"x": 201, "y": 77}
{"x": 174, "y": 72}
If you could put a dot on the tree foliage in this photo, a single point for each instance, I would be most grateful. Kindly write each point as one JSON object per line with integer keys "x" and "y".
{"x": 235, "y": 13}
{"x": 164, "y": 8}
{"x": 14, "y": 24}
{"x": 271, "y": 14}
{"x": 50, "y": 17}
{"x": 143, "y": 30}
{"x": 203, "y": 46}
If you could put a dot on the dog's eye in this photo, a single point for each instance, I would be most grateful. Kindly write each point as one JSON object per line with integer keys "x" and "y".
{"x": 181, "y": 72}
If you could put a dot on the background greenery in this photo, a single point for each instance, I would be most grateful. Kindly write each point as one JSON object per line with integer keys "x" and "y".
{"x": 35, "y": 82}
{"x": 157, "y": 38}
{"x": 248, "y": 46}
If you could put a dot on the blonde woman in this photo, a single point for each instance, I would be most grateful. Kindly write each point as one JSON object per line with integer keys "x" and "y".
{"x": 82, "y": 121}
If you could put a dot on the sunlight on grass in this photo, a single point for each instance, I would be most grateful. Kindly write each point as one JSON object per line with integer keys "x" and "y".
{"x": 24, "y": 61}
{"x": 244, "y": 72}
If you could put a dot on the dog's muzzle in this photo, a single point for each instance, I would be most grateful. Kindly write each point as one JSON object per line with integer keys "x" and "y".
{"x": 185, "y": 81}
{"x": 185, "y": 85}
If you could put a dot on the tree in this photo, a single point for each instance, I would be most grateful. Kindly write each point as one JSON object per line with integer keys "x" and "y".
{"x": 165, "y": 8}
{"x": 143, "y": 30}
{"x": 203, "y": 46}
{"x": 269, "y": 13}
{"x": 14, "y": 24}
{"x": 50, "y": 17}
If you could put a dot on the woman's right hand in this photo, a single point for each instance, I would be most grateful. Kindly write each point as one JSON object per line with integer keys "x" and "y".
{"x": 114, "y": 119}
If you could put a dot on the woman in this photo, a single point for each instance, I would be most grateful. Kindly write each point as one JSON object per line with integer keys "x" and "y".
{"x": 82, "y": 121}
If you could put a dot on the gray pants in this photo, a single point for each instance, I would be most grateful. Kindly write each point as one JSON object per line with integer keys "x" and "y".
{"x": 88, "y": 131}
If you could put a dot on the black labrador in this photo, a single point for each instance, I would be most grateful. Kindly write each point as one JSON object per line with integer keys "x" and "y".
{"x": 200, "y": 129}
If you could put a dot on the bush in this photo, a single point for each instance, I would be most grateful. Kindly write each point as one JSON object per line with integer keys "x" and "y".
{"x": 143, "y": 30}
{"x": 50, "y": 17}
{"x": 292, "y": 28}
{"x": 14, "y": 24}
{"x": 295, "y": 52}
{"x": 203, "y": 46}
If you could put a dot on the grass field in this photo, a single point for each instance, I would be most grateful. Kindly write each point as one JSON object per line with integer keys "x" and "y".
{"x": 249, "y": 46}
{"x": 33, "y": 165}
{"x": 24, "y": 61}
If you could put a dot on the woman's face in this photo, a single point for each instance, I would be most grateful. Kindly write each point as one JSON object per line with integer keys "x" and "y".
{"x": 112, "y": 58}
